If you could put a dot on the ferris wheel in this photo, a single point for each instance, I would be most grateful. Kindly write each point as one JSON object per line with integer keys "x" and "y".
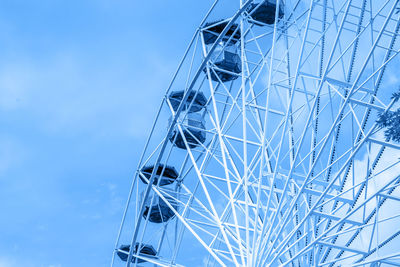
{"x": 270, "y": 147}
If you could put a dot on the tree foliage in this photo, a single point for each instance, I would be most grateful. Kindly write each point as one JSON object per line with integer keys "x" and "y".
{"x": 396, "y": 96}
{"x": 391, "y": 121}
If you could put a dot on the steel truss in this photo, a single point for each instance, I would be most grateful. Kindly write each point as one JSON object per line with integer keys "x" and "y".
{"x": 294, "y": 170}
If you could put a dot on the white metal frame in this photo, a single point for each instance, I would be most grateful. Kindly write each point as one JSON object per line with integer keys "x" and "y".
{"x": 295, "y": 170}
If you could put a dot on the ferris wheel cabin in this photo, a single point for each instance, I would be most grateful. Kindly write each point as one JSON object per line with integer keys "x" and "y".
{"x": 145, "y": 251}
{"x": 195, "y": 102}
{"x": 212, "y": 30}
{"x": 167, "y": 173}
{"x": 193, "y": 127}
{"x": 226, "y": 63}
{"x": 227, "y": 67}
{"x": 159, "y": 212}
{"x": 264, "y": 13}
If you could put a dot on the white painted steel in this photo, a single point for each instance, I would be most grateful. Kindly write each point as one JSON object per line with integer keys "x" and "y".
{"x": 294, "y": 170}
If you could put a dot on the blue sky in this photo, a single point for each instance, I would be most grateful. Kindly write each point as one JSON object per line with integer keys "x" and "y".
{"x": 80, "y": 82}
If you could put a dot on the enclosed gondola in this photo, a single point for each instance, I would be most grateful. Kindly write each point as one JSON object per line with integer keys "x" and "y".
{"x": 264, "y": 13}
{"x": 195, "y": 102}
{"x": 167, "y": 173}
{"x": 226, "y": 66}
{"x": 145, "y": 251}
{"x": 212, "y": 30}
{"x": 193, "y": 127}
{"x": 159, "y": 211}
